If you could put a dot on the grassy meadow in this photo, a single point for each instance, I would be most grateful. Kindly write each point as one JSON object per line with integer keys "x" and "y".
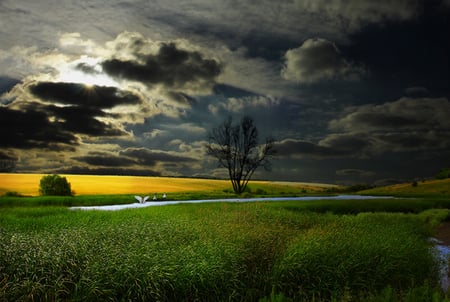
{"x": 427, "y": 188}
{"x": 327, "y": 250}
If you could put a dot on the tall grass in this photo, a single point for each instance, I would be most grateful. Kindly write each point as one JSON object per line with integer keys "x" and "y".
{"x": 208, "y": 252}
{"x": 355, "y": 255}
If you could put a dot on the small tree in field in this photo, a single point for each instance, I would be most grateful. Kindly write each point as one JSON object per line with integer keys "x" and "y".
{"x": 54, "y": 185}
{"x": 236, "y": 148}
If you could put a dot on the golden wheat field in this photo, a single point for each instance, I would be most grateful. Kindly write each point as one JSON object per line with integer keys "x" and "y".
{"x": 28, "y": 184}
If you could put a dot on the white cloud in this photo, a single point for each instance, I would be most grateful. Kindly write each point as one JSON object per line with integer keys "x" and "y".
{"x": 317, "y": 60}
{"x": 256, "y": 75}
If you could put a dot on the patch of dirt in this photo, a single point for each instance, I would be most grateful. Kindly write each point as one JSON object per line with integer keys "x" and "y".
{"x": 442, "y": 233}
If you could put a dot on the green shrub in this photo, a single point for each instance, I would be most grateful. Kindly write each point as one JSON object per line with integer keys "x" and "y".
{"x": 260, "y": 191}
{"x": 443, "y": 174}
{"x": 54, "y": 185}
{"x": 12, "y": 194}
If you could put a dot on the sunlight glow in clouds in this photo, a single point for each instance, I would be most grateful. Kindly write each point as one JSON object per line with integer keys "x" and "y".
{"x": 74, "y": 73}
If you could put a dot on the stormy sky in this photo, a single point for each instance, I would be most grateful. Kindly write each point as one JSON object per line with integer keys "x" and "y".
{"x": 353, "y": 91}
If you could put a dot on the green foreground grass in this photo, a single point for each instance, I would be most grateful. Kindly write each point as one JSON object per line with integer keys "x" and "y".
{"x": 350, "y": 250}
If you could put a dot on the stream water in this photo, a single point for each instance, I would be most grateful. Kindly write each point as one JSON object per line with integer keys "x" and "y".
{"x": 442, "y": 256}
{"x": 169, "y": 202}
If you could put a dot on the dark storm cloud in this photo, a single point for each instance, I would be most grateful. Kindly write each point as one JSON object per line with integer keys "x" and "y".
{"x": 377, "y": 120}
{"x": 369, "y": 131}
{"x": 405, "y": 54}
{"x": 78, "y": 94}
{"x": 333, "y": 146}
{"x": 353, "y": 14}
{"x": 149, "y": 158}
{"x": 403, "y": 114}
{"x": 86, "y": 104}
{"x": 399, "y": 126}
{"x": 7, "y": 156}
{"x": 416, "y": 91}
{"x": 171, "y": 66}
{"x": 36, "y": 125}
{"x": 354, "y": 172}
{"x": 32, "y": 129}
{"x": 107, "y": 171}
{"x": 83, "y": 120}
{"x": 86, "y": 68}
{"x": 291, "y": 148}
{"x": 348, "y": 144}
{"x": 105, "y": 159}
{"x": 412, "y": 141}
{"x": 8, "y": 161}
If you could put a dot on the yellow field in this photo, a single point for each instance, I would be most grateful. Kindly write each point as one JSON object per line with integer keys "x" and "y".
{"x": 28, "y": 184}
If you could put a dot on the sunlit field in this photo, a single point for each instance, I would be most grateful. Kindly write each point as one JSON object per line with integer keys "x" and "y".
{"x": 28, "y": 184}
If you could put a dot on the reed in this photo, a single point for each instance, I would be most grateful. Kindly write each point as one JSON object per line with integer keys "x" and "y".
{"x": 210, "y": 252}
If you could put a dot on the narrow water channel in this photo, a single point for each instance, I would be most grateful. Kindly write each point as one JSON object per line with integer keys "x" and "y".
{"x": 163, "y": 203}
{"x": 442, "y": 253}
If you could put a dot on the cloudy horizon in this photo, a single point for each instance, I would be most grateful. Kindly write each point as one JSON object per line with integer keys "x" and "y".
{"x": 352, "y": 91}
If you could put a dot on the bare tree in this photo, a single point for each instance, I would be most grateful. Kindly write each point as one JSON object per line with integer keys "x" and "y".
{"x": 236, "y": 148}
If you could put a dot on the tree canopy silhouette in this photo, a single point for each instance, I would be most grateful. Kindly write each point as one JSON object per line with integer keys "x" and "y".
{"x": 237, "y": 149}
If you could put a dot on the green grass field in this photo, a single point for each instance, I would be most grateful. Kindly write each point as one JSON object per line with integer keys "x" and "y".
{"x": 329, "y": 250}
{"x": 217, "y": 252}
